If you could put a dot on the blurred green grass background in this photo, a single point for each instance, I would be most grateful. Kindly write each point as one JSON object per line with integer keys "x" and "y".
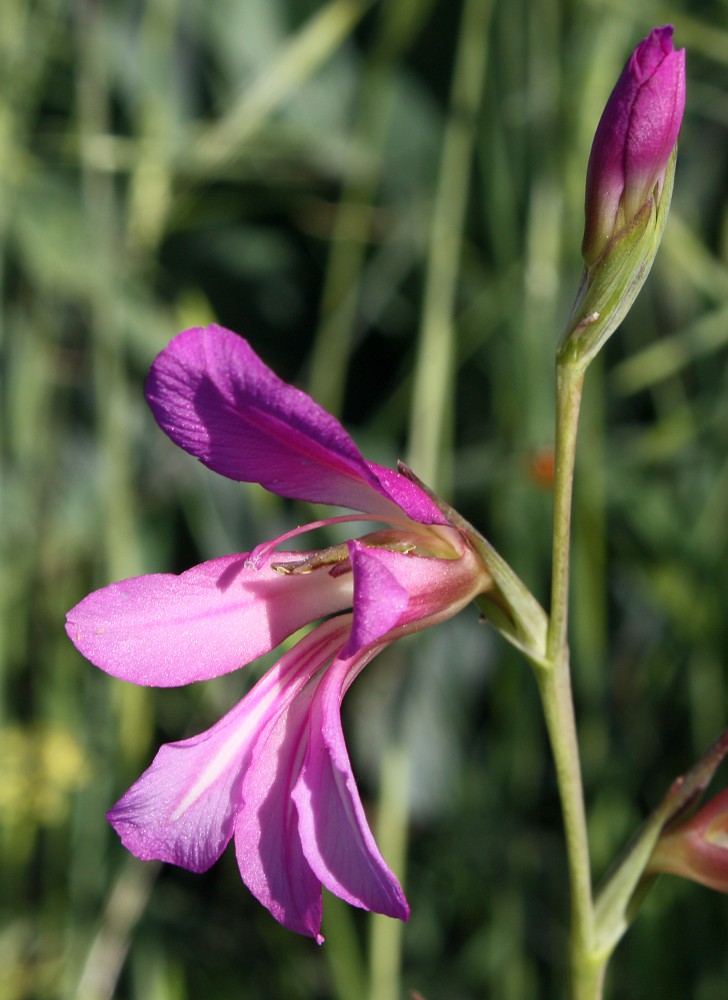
{"x": 385, "y": 198}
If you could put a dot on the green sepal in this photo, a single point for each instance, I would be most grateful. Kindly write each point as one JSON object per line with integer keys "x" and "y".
{"x": 626, "y": 884}
{"x": 509, "y": 605}
{"x": 609, "y": 287}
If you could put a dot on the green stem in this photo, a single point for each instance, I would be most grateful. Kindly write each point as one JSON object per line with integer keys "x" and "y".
{"x": 588, "y": 977}
{"x": 587, "y": 973}
{"x": 569, "y": 385}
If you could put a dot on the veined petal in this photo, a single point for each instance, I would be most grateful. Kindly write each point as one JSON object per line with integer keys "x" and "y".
{"x": 267, "y": 840}
{"x": 166, "y": 630}
{"x": 215, "y": 398}
{"x": 335, "y": 835}
{"x": 183, "y": 808}
{"x": 396, "y": 592}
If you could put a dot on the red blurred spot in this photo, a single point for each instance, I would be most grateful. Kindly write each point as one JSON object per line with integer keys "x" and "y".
{"x": 540, "y": 467}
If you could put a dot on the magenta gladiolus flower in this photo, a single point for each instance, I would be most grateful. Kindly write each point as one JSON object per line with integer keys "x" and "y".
{"x": 697, "y": 849}
{"x": 634, "y": 139}
{"x": 274, "y": 773}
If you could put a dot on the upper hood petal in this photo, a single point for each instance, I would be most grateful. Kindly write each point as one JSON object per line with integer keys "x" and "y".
{"x": 166, "y": 630}
{"x": 215, "y": 398}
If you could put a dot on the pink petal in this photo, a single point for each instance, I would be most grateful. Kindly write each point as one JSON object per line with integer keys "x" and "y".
{"x": 267, "y": 841}
{"x": 215, "y": 398}
{"x": 183, "y": 808}
{"x": 335, "y": 835}
{"x": 396, "y": 593}
{"x": 167, "y": 630}
{"x": 381, "y": 602}
{"x": 655, "y": 121}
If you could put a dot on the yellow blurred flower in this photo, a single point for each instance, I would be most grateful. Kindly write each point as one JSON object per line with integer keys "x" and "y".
{"x": 41, "y": 766}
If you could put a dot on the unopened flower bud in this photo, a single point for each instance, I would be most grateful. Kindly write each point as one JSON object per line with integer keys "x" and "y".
{"x": 697, "y": 849}
{"x": 628, "y": 191}
{"x": 634, "y": 140}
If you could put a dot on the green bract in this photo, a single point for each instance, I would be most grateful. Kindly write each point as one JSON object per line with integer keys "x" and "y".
{"x": 624, "y": 887}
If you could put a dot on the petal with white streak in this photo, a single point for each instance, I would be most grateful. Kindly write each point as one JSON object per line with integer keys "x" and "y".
{"x": 183, "y": 808}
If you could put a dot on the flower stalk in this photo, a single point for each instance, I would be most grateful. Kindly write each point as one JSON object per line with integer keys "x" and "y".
{"x": 554, "y": 680}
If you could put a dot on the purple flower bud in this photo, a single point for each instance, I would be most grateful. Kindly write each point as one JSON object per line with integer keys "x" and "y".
{"x": 698, "y": 849}
{"x": 634, "y": 140}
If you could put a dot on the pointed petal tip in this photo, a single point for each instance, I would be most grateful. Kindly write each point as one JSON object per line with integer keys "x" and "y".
{"x": 334, "y": 832}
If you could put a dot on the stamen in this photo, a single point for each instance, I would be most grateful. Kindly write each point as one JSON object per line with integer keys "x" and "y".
{"x": 260, "y": 553}
{"x": 325, "y": 557}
